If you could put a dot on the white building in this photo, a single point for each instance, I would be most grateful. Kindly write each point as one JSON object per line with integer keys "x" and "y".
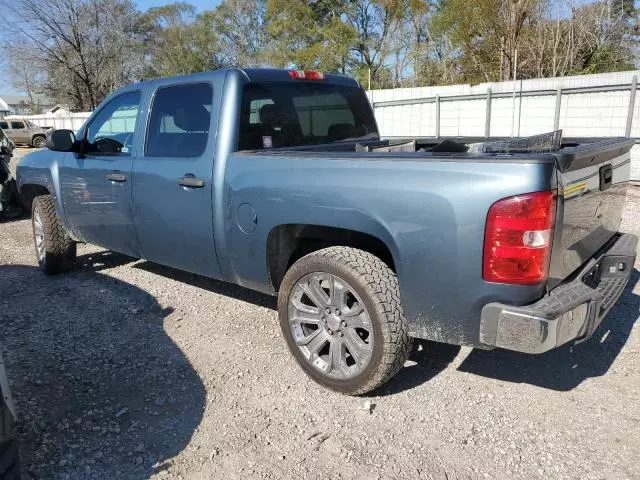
{"x": 19, "y": 105}
{"x": 4, "y": 108}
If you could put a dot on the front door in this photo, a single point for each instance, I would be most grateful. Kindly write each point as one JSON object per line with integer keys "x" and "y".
{"x": 172, "y": 181}
{"x": 96, "y": 185}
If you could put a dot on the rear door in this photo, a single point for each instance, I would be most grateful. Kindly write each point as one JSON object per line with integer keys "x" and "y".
{"x": 172, "y": 180}
{"x": 592, "y": 189}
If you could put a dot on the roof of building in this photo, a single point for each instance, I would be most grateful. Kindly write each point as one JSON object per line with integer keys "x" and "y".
{"x": 3, "y": 106}
{"x": 18, "y": 99}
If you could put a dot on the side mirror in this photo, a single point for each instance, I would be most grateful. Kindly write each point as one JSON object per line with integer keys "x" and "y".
{"x": 61, "y": 140}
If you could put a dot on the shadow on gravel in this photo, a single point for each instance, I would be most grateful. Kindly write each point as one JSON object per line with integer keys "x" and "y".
{"x": 563, "y": 369}
{"x": 102, "y": 392}
{"x": 103, "y": 260}
{"x": 216, "y": 286}
{"x": 426, "y": 361}
{"x": 12, "y": 217}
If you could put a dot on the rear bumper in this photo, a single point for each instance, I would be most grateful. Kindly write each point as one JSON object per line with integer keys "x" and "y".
{"x": 571, "y": 311}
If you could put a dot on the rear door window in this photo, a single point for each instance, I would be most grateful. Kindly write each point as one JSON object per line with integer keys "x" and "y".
{"x": 180, "y": 121}
{"x": 4, "y": 125}
{"x": 292, "y": 114}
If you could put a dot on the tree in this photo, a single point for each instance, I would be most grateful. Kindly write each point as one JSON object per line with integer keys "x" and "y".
{"x": 178, "y": 41}
{"x": 308, "y": 34}
{"x": 240, "y": 26}
{"x": 83, "y": 48}
{"x": 78, "y": 51}
{"x": 378, "y": 24}
{"x": 604, "y": 32}
{"x": 24, "y": 75}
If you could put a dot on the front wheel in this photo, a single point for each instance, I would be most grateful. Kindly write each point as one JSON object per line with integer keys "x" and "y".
{"x": 341, "y": 317}
{"x": 55, "y": 250}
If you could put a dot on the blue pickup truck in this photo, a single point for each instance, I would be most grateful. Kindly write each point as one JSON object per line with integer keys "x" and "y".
{"x": 279, "y": 181}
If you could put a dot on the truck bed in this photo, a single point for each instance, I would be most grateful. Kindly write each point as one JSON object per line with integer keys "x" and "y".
{"x": 574, "y": 153}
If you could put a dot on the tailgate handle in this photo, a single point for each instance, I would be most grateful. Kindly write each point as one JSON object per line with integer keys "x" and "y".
{"x": 606, "y": 177}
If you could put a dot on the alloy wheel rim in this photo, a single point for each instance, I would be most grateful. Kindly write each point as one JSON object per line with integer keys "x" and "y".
{"x": 330, "y": 325}
{"x": 38, "y": 234}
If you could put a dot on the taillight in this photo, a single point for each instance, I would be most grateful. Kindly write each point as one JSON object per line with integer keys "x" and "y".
{"x": 517, "y": 238}
{"x": 306, "y": 75}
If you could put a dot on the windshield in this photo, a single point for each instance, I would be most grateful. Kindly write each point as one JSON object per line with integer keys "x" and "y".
{"x": 291, "y": 114}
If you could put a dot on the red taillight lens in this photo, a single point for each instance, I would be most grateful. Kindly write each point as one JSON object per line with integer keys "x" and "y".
{"x": 306, "y": 75}
{"x": 517, "y": 238}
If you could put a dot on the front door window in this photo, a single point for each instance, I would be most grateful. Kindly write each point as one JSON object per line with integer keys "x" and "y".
{"x": 112, "y": 131}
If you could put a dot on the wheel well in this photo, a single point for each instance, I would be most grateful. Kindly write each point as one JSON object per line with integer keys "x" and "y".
{"x": 30, "y": 191}
{"x": 288, "y": 243}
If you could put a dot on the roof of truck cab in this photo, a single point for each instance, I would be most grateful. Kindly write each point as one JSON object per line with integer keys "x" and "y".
{"x": 251, "y": 74}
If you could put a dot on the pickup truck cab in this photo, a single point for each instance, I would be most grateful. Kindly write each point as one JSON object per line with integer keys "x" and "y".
{"x": 278, "y": 181}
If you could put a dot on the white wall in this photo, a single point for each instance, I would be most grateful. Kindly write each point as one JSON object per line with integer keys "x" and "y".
{"x": 70, "y": 121}
{"x": 593, "y": 114}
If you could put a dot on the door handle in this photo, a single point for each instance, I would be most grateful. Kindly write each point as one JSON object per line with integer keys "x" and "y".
{"x": 190, "y": 181}
{"x": 116, "y": 177}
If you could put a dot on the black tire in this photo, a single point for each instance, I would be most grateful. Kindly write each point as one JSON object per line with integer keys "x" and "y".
{"x": 38, "y": 141}
{"x": 59, "y": 252}
{"x": 377, "y": 285}
{"x": 9, "y": 454}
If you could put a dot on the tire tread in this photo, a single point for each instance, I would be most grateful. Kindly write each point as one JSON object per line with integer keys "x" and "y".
{"x": 60, "y": 249}
{"x": 382, "y": 284}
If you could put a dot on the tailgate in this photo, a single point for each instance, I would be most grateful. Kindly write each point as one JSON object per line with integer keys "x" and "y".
{"x": 592, "y": 182}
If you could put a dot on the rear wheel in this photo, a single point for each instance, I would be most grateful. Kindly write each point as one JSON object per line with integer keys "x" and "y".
{"x": 55, "y": 250}
{"x": 341, "y": 316}
{"x": 38, "y": 141}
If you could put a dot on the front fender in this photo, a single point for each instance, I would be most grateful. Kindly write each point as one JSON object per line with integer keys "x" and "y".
{"x": 42, "y": 169}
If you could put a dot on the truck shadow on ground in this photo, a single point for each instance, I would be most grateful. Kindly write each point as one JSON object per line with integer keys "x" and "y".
{"x": 565, "y": 368}
{"x": 101, "y": 390}
{"x": 426, "y": 361}
{"x": 215, "y": 286}
{"x": 561, "y": 369}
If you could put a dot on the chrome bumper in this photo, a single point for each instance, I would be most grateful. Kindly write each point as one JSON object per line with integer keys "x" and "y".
{"x": 572, "y": 311}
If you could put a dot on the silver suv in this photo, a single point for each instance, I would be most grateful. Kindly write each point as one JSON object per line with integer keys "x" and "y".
{"x": 23, "y": 131}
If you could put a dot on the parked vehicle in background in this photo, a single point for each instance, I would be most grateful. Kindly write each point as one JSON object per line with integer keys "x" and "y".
{"x": 23, "y": 131}
{"x": 10, "y": 202}
{"x": 278, "y": 181}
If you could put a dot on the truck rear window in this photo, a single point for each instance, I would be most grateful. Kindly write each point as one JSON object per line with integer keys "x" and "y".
{"x": 292, "y": 114}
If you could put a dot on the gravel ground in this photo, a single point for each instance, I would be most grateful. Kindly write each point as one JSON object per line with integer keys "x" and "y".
{"x": 125, "y": 369}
